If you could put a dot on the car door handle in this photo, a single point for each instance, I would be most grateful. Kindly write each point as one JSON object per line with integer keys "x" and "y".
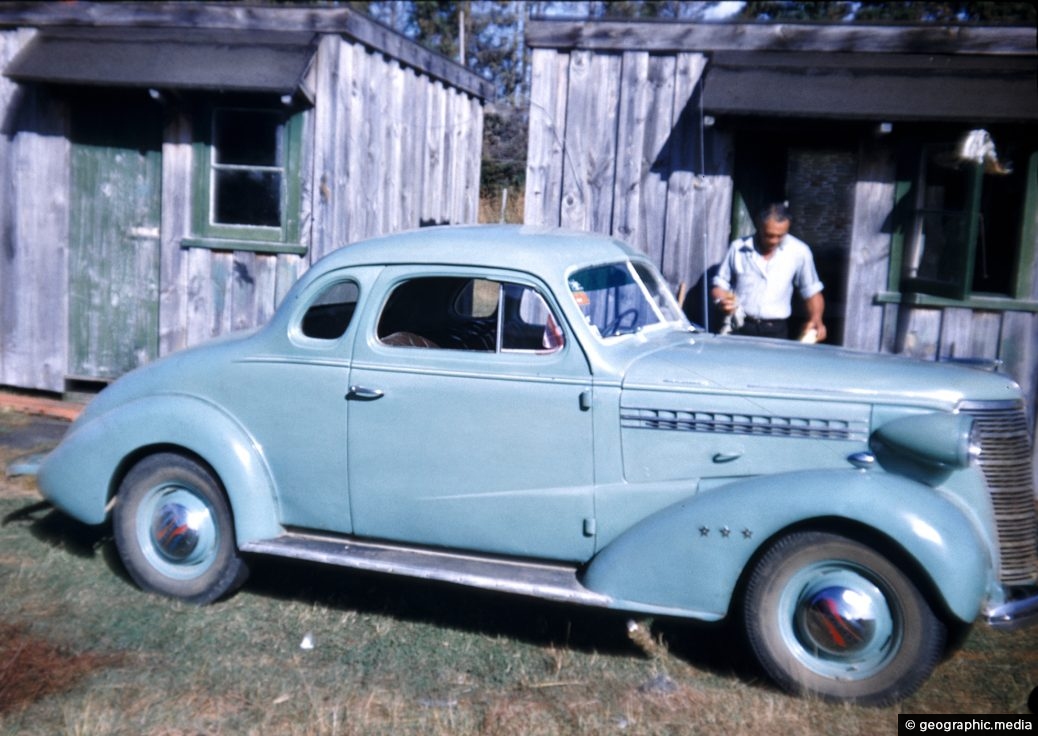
{"x": 726, "y": 457}
{"x": 364, "y": 394}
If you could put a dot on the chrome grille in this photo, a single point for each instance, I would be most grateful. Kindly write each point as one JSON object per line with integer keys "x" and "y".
{"x": 1005, "y": 459}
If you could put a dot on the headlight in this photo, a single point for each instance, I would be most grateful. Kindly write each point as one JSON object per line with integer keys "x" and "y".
{"x": 941, "y": 441}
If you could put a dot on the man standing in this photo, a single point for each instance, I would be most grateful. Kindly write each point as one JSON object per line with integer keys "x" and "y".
{"x": 757, "y": 277}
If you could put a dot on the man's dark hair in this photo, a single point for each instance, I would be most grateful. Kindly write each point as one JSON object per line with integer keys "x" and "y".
{"x": 777, "y": 211}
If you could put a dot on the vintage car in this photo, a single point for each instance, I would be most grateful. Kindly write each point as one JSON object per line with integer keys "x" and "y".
{"x": 529, "y": 411}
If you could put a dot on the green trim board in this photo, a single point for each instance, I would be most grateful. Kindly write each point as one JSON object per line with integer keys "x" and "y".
{"x": 977, "y": 302}
{"x": 252, "y": 246}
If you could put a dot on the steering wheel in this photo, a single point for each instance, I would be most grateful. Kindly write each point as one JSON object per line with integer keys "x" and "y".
{"x": 614, "y": 326}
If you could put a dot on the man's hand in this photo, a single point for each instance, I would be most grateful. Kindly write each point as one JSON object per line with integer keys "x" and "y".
{"x": 813, "y": 332}
{"x": 724, "y": 299}
{"x": 815, "y": 310}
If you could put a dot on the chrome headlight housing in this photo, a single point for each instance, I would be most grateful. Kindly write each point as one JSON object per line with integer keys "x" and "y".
{"x": 927, "y": 446}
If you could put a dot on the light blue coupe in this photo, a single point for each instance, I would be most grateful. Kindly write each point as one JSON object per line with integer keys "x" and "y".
{"x": 530, "y": 412}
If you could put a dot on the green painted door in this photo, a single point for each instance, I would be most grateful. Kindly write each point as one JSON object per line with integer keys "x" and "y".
{"x": 114, "y": 233}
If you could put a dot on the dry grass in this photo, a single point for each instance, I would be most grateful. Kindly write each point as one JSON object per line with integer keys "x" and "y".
{"x": 498, "y": 208}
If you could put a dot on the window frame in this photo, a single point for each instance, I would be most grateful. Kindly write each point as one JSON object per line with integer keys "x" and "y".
{"x": 500, "y": 280}
{"x": 255, "y": 238}
{"x": 917, "y": 291}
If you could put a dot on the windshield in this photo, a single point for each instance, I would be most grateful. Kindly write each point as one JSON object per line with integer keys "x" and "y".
{"x": 623, "y": 299}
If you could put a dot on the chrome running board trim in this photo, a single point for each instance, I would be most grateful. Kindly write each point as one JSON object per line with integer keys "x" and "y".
{"x": 548, "y": 581}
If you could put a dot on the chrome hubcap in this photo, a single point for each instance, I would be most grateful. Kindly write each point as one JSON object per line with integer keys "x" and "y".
{"x": 841, "y": 621}
{"x": 177, "y": 532}
{"x": 838, "y": 621}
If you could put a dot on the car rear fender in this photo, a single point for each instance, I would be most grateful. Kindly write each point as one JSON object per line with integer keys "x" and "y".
{"x": 687, "y": 559}
{"x": 84, "y": 471}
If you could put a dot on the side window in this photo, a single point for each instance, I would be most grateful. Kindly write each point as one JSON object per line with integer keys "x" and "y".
{"x": 468, "y": 314}
{"x": 329, "y": 316}
{"x": 528, "y": 323}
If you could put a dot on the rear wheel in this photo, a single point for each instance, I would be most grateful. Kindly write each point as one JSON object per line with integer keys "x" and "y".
{"x": 174, "y": 531}
{"x": 830, "y": 616}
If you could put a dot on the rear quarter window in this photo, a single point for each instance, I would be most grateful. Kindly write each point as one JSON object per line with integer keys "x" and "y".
{"x": 329, "y": 315}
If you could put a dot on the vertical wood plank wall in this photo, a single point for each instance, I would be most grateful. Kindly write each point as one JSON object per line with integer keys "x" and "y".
{"x": 34, "y": 171}
{"x": 615, "y": 147}
{"x": 386, "y": 148}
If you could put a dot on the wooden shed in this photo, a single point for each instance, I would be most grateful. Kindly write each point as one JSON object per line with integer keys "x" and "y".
{"x": 169, "y": 169}
{"x": 908, "y": 155}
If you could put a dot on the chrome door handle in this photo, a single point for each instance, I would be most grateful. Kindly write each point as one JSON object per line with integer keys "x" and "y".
{"x": 726, "y": 457}
{"x": 364, "y": 394}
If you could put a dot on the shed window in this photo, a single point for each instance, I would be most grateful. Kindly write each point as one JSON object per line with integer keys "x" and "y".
{"x": 967, "y": 225}
{"x": 247, "y": 178}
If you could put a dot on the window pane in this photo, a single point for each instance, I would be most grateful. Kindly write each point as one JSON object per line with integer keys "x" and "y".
{"x": 613, "y": 300}
{"x": 454, "y": 313}
{"x": 247, "y": 138}
{"x": 478, "y": 299}
{"x": 330, "y": 314}
{"x": 941, "y": 241}
{"x": 247, "y": 198}
{"x": 528, "y": 322}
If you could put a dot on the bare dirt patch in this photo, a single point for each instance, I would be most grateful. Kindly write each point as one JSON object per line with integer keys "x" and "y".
{"x": 32, "y": 668}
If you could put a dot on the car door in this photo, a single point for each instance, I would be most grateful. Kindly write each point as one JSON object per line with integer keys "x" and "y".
{"x": 469, "y": 425}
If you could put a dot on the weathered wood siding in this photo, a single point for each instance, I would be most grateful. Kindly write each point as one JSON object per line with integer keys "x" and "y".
{"x": 34, "y": 170}
{"x": 386, "y": 147}
{"x": 616, "y": 147}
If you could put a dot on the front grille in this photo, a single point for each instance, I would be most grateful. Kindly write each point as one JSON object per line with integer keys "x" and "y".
{"x": 1005, "y": 459}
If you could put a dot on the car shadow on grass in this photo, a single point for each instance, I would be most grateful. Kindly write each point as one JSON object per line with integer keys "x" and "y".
{"x": 716, "y": 648}
{"x": 54, "y": 528}
{"x": 57, "y": 530}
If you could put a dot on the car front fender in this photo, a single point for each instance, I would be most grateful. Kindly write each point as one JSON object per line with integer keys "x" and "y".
{"x": 81, "y": 474}
{"x": 687, "y": 559}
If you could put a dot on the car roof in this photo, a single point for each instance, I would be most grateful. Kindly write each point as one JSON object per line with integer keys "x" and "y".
{"x": 537, "y": 250}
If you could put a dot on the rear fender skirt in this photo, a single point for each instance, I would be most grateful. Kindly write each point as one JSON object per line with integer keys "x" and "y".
{"x": 691, "y": 555}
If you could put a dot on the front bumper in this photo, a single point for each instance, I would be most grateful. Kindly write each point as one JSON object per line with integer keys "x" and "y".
{"x": 1016, "y": 613}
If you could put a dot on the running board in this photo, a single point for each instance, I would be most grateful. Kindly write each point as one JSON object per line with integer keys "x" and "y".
{"x": 541, "y": 580}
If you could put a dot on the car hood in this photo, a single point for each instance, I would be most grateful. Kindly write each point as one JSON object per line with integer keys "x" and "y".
{"x": 784, "y": 368}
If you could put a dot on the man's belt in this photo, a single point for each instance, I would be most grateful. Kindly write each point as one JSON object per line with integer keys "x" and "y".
{"x": 764, "y": 322}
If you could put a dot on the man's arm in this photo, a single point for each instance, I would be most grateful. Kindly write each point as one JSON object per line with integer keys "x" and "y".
{"x": 722, "y": 291}
{"x": 815, "y": 309}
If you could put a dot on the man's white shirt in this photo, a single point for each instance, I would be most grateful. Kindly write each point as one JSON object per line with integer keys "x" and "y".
{"x": 764, "y": 287}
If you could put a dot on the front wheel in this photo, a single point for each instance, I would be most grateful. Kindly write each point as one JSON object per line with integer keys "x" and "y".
{"x": 174, "y": 531}
{"x": 830, "y": 616}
